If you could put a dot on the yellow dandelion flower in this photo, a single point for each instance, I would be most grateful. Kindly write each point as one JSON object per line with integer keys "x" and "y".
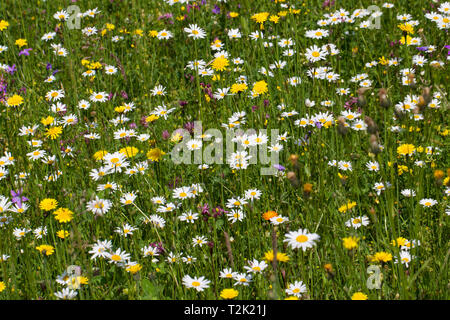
{"x": 350, "y": 243}
{"x": 381, "y": 257}
{"x": 21, "y": 42}
{"x": 406, "y": 149}
{"x": 359, "y": 296}
{"x": 48, "y": 204}
{"x": 14, "y": 101}
{"x": 3, "y": 25}
{"x": 238, "y": 87}
{"x": 46, "y": 249}
{"x": 155, "y": 154}
{"x": 220, "y": 63}
{"x": 99, "y": 155}
{"x": 134, "y": 268}
{"x": 63, "y": 215}
{"x": 281, "y": 257}
{"x": 129, "y": 152}
{"x": 47, "y": 121}
{"x": 260, "y": 87}
{"x": 229, "y": 293}
{"x": 53, "y": 132}
{"x": 260, "y": 17}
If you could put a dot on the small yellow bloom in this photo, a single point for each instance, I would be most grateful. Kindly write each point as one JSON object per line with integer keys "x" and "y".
{"x": 350, "y": 243}
{"x": 99, "y": 155}
{"x": 406, "y": 27}
{"x": 3, "y": 25}
{"x": 260, "y": 17}
{"x": 53, "y": 132}
{"x": 48, "y": 204}
{"x": 14, "y": 101}
{"x": 383, "y": 61}
{"x": 274, "y": 19}
{"x": 381, "y": 257}
{"x": 281, "y": 257}
{"x": 220, "y": 63}
{"x": 260, "y": 87}
{"x": 63, "y": 215}
{"x": 347, "y": 206}
{"x": 47, "y": 121}
{"x": 155, "y": 154}
{"x": 406, "y": 149}
{"x": 62, "y": 234}
{"x": 238, "y": 87}
{"x": 21, "y": 42}
{"x": 229, "y": 293}
{"x": 151, "y": 118}
{"x": 359, "y": 296}
{"x": 134, "y": 268}
{"x": 46, "y": 249}
{"x": 129, "y": 152}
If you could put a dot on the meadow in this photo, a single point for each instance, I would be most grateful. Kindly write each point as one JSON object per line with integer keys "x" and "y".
{"x": 349, "y": 98}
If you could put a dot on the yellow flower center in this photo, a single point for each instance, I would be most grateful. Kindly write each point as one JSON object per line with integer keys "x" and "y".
{"x": 116, "y": 257}
{"x": 301, "y": 238}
